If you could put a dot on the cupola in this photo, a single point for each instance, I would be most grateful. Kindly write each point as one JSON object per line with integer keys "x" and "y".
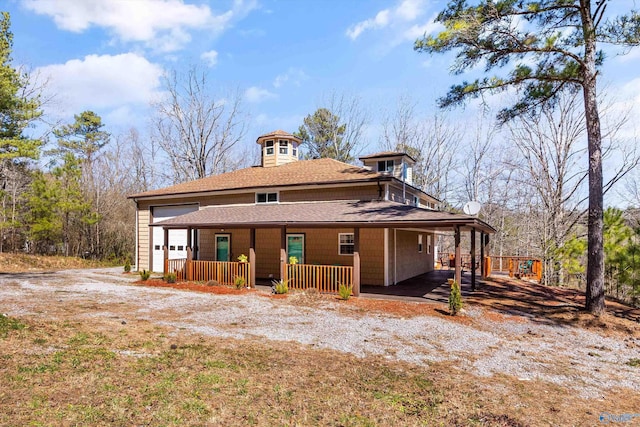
{"x": 393, "y": 163}
{"x": 278, "y": 148}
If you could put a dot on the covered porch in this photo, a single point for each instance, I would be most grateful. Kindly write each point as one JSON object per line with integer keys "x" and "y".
{"x": 325, "y": 218}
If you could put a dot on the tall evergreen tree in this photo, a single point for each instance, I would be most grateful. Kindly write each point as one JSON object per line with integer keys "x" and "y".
{"x": 18, "y": 110}
{"x": 323, "y": 135}
{"x": 554, "y": 44}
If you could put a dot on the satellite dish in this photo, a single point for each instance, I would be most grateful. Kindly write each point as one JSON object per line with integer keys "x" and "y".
{"x": 472, "y": 208}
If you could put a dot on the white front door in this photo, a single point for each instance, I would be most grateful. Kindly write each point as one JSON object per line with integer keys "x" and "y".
{"x": 177, "y": 238}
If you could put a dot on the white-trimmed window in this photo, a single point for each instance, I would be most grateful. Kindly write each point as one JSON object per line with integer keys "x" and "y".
{"x": 269, "y": 145}
{"x": 429, "y": 243}
{"x": 385, "y": 166}
{"x": 294, "y": 151}
{"x": 283, "y": 146}
{"x": 420, "y": 243}
{"x": 416, "y": 201}
{"x": 266, "y": 197}
{"x": 345, "y": 244}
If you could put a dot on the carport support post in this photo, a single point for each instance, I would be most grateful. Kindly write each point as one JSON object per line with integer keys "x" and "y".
{"x": 485, "y": 247}
{"x": 473, "y": 259}
{"x": 252, "y": 257}
{"x": 283, "y": 253}
{"x": 483, "y": 272}
{"x": 165, "y": 249}
{"x": 356, "y": 262}
{"x": 458, "y": 273}
{"x": 189, "y": 255}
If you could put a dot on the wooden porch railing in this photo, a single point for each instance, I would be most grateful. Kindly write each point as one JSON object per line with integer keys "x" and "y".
{"x": 518, "y": 266}
{"x": 324, "y": 278}
{"x": 222, "y": 272}
{"x": 176, "y": 266}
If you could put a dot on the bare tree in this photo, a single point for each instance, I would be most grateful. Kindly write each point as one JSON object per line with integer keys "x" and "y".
{"x": 197, "y": 129}
{"x": 432, "y": 142}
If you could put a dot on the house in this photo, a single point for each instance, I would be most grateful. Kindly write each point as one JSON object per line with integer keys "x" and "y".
{"x": 342, "y": 223}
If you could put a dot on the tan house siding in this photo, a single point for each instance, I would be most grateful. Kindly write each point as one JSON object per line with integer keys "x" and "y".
{"x": 396, "y": 194}
{"x": 143, "y": 239}
{"x": 361, "y": 192}
{"x": 410, "y": 262}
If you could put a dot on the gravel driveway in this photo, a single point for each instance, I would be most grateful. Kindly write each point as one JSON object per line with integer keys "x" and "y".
{"x": 568, "y": 356}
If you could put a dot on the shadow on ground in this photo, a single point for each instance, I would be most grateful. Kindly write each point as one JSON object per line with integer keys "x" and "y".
{"x": 510, "y": 296}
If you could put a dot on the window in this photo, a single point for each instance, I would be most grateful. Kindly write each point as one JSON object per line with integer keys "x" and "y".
{"x": 157, "y": 247}
{"x": 416, "y": 201}
{"x": 284, "y": 147}
{"x": 294, "y": 151}
{"x": 269, "y": 145}
{"x": 429, "y": 243}
{"x": 385, "y": 166}
{"x": 345, "y": 244}
{"x": 180, "y": 247}
{"x": 419, "y": 243}
{"x": 266, "y": 197}
{"x": 172, "y": 248}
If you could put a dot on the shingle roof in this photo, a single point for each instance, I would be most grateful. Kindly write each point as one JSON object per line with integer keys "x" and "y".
{"x": 318, "y": 171}
{"x": 278, "y": 133}
{"x": 382, "y": 154}
{"x": 314, "y": 214}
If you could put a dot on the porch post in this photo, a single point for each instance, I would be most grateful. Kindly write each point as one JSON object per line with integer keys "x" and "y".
{"x": 356, "y": 261}
{"x": 283, "y": 252}
{"x": 187, "y": 264}
{"x": 458, "y": 270}
{"x": 483, "y": 272}
{"x": 165, "y": 249}
{"x": 473, "y": 259}
{"x": 252, "y": 257}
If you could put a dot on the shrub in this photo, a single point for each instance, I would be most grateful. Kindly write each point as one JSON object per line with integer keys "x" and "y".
{"x": 239, "y": 282}
{"x": 243, "y": 258}
{"x": 127, "y": 266}
{"x": 293, "y": 260}
{"x": 280, "y": 287}
{"x": 212, "y": 283}
{"x": 144, "y": 275}
{"x": 171, "y": 277}
{"x": 455, "y": 298}
{"x": 345, "y": 291}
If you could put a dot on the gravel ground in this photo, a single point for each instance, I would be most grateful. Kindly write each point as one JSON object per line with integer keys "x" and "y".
{"x": 568, "y": 356}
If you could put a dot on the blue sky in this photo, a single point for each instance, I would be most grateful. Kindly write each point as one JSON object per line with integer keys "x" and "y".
{"x": 285, "y": 56}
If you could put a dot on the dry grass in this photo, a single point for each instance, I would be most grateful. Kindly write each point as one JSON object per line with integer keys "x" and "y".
{"x": 18, "y": 262}
{"x": 135, "y": 373}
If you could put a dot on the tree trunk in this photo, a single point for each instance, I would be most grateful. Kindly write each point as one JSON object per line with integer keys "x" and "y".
{"x": 595, "y": 257}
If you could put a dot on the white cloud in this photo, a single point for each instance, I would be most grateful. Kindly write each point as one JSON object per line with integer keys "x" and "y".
{"x": 160, "y": 24}
{"x": 294, "y": 76}
{"x": 409, "y": 10}
{"x": 256, "y": 94}
{"x": 103, "y": 82}
{"x": 211, "y": 58}
{"x": 381, "y": 20}
{"x": 405, "y": 11}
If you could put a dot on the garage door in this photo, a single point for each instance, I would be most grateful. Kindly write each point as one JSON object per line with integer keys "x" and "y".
{"x": 177, "y": 238}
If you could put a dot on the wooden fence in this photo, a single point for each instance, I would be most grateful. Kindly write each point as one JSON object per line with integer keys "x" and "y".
{"x": 516, "y": 266}
{"x": 225, "y": 273}
{"x": 324, "y": 278}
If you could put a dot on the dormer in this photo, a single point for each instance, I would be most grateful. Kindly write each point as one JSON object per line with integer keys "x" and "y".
{"x": 278, "y": 148}
{"x": 396, "y": 164}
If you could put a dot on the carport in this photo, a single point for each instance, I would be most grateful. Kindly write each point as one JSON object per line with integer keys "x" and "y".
{"x": 354, "y": 215}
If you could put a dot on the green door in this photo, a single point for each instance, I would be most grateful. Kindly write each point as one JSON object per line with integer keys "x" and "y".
{"x": 295, "y": 247}
{"x": 222, "y": 247}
